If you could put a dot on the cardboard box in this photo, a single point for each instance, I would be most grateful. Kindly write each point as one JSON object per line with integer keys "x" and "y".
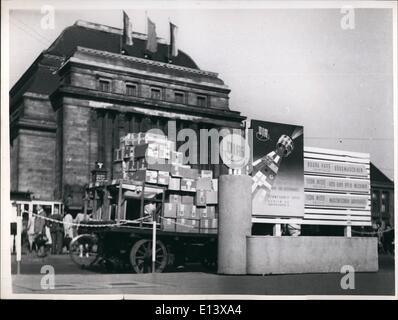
{"x": 184, "y": 211}
{"x": 187, "y": 199}
{"x": 116, "y": 155}
{"x": 152, "y": 164}
{"x": 146, "y": 150}
{"x": 128, "y": 152}
{"x": 176, "y": 158}
{"x": 149, "y": 176}
{"x": 190, "y": 173}
{"x": 168, "y": 224}
{"x": 208, "y": 223}
{"x": 211, "y": 212}
{"x": 187, "y": 211}
{"x": 214, "y": 184}
{"x": 175, "y": 198}
{"x": 188, "y": 185}
{"x": 170, "y": 210}
{"x": 164, "y": 151}
{"x": 187, "y": 225}
{"x": 206, "y": 174}
{"x": 129, "y": 175}
{"x": 206, "y": 212}
{"x": 211, "y": 197}
{"x": 194, "y": 213}
{"x": 131, "y": 165}
{"x": 204, "y": 184}
{"x": 174, "y": 184}
{"x": 200, "y": 198}
{"x": 149, "y": 137}
{"x": 129, "y": 140}
{"x": 163, "y": 178}
{"x": 176, "y": 171}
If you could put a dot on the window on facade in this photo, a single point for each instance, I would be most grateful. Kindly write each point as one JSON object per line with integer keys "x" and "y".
{"x": 375, "y": 203}
{"x": 179, "y": 97}
{"x": 156, "y": 93}
{"x": 131, "y": 89}
{"x": 104, "y": 85}
{"x": 385, "y": 202}
{"x": 201, "y": 101}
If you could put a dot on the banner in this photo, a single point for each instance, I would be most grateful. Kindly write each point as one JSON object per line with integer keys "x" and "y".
{"x": 152, "y": 44}
{"x": 173, "y": 41}
{"x": 277, "y": 169}
{"x": 127, "y": 30}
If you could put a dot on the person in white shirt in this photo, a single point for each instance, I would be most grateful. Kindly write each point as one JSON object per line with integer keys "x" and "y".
{"x": 31, "y": 231}
{"x": 68, "y": 225}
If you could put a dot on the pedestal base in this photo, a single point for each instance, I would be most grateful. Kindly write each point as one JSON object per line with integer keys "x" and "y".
{"x": 279, "y": 255}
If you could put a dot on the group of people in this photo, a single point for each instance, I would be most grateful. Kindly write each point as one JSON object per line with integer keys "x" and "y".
{"x": 385, "y": 236}
{"x": 49, "y": 235}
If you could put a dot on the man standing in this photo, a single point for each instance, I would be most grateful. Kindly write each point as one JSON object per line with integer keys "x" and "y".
{"x": 40, "y": 230}
{"x": 57, "y": 233}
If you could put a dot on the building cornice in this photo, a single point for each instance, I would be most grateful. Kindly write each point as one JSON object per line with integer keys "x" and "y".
{"x": 142, "y": 102}
{"x": 146, "y": 61}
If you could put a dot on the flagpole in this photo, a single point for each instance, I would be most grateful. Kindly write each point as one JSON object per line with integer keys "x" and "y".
{"x": 121, "y": 35}
{"x": 168, "y": 51}
{"x": 146, "y": 28}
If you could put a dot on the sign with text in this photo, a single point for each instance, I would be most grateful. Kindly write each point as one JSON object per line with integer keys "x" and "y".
{"x": 335, "y": 168}
{"x": 336, "y": 200}
{"x": 277, "y": 169}
{"x": 336, "y": 184}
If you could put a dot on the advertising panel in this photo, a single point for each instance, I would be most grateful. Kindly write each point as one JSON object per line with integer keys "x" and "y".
{"x": 277, "y": 169}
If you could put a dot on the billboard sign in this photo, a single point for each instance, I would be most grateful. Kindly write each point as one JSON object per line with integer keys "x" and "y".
{"x": 277, "y": 169}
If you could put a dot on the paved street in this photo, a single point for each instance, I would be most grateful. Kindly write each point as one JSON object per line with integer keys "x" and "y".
{"x": 70, "y": 279}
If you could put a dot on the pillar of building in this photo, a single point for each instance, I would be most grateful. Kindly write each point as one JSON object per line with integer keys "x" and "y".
{"x": 235, "y": 207}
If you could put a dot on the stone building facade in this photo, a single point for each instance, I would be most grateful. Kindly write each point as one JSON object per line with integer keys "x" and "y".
{"x": 85, "y": 91}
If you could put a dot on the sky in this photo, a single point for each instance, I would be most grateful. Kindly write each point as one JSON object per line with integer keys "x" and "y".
{"x": 295, "y": 66}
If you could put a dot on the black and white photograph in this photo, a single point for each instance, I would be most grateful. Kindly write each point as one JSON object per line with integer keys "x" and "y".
{"x": 198, "y": 150}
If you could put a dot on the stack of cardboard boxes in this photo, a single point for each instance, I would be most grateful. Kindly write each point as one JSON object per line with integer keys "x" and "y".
{"x": 191, "y": 196}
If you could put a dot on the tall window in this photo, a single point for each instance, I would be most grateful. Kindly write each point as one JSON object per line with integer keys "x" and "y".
{"x": 385, "y": 203}
{"x": 179, "y": 97}
{"x": 375, "y": 204}
{"x": 105, "y": 85}
{"x": 156, "y": 93}
{"x": 201, "y": 101}
{"x": 131, "y": 89}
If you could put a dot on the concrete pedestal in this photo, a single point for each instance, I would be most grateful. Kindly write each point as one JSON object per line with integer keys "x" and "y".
{"x": 235, "y": 204}
{"x": 278, "y": 255}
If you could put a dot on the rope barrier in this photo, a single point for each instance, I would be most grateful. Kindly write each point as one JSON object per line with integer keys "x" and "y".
{"x": 89, "y": 225}
{"x": 371, "y": 232}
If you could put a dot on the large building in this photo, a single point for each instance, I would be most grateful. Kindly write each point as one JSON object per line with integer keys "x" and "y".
{"x": 70, "y": 108}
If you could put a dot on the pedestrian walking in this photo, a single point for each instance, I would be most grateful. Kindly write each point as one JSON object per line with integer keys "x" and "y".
{"x": 57, "y": 233}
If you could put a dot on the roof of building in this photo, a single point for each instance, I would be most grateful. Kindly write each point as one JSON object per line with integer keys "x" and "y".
{"x": 104, "y": 38}
{"x": 378, "y": 177}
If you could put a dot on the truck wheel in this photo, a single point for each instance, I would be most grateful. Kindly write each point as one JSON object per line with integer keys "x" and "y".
{"x": 141, "y": 256}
